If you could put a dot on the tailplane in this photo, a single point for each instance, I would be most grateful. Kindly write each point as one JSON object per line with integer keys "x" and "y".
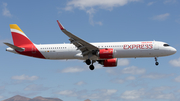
{"x": 14, "y": 47}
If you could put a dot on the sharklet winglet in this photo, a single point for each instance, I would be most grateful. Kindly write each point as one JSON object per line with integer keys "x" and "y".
{"x": 60, "y": 25}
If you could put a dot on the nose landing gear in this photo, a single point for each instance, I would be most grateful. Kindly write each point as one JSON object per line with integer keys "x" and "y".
{"x": 156, "y": 63}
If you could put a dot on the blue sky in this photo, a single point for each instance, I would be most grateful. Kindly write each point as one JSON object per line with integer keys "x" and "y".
{"x": 94, "y": 21}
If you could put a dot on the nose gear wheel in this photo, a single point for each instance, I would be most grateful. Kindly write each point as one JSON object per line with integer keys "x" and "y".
{"x": 156, "y": 63}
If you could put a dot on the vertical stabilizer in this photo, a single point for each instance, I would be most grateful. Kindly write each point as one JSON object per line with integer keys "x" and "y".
{"x": 19, "y": 38}
{"x": 22, "y": 44}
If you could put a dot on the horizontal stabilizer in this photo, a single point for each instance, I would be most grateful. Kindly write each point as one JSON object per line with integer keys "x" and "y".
{"x": 14, "y": 47}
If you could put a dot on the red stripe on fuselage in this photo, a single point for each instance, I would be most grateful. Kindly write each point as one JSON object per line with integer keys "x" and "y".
{"x": 23, "y": 42}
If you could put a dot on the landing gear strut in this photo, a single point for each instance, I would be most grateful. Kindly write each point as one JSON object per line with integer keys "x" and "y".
{"x": 156, "y": 63}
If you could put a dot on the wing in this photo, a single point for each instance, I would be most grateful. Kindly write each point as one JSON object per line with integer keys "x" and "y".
{"x": 82, "y": 45}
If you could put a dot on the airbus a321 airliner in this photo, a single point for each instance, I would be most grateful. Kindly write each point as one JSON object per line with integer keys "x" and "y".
{"x": 105, "y": 53}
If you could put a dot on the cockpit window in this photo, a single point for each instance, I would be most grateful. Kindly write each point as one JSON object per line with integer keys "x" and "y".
{"x": 166, "y": 45}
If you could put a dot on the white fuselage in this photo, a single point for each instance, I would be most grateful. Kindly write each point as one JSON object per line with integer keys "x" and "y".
{"x": 122, "y": 50}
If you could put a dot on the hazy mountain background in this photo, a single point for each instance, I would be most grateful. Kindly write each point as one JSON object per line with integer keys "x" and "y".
{"x": 39, "y": 98}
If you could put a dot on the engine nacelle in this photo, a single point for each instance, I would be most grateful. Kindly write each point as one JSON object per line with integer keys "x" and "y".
{"x": 106, "y": 53}
{"x": 109, "y": 62}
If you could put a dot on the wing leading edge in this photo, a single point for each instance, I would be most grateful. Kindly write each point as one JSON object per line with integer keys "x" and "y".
{"x": 85, "y": 47}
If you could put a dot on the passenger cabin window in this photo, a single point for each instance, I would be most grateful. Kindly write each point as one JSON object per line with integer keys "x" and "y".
{"x": 165, "y": 45}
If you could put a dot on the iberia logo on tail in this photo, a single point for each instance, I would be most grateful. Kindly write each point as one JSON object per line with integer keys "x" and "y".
{"x": 21, "y": 40}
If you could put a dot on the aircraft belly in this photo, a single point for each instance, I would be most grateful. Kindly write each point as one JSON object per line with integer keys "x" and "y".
{"x": 67, "y": 55}
{"x": 49, "y": 55}
{"x": 133, "y": 53}
{"x": 61, "y": 54}
{"x": 160, "y": 53}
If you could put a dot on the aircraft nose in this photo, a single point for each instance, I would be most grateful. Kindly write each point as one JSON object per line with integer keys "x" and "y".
{"x": 173, "y": 50}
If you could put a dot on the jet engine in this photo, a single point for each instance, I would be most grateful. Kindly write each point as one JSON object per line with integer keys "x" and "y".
{"x": 105, "y": 53}
{"x": 108, "y": 62}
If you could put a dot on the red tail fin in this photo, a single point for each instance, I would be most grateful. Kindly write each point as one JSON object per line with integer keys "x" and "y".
{"x": 22, "y": 41}
{"x": 19, "y": 38}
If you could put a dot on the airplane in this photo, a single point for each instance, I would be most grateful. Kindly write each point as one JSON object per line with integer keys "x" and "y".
{"x": 105, "y": 53}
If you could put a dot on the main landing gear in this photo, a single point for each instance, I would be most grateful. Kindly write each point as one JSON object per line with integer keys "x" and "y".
{"x": 91, "y": 67}
{"x": 156, "y": 63}
{"x": 88, "y": 62}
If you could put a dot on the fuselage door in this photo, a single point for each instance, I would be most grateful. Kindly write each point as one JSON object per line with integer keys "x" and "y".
{"x": 33, "y": 49}
{"x": 156, "y": 46}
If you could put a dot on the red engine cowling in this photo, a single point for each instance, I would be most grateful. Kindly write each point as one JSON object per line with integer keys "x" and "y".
{"x": 106, "y": 53}
{"x": 110, "y": 62}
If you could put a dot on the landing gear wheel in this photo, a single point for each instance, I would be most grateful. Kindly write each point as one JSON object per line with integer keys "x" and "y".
{"x": 88, "y": 62}
{"x": 157, "y": 63}
{"x": 91, "y": 67}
